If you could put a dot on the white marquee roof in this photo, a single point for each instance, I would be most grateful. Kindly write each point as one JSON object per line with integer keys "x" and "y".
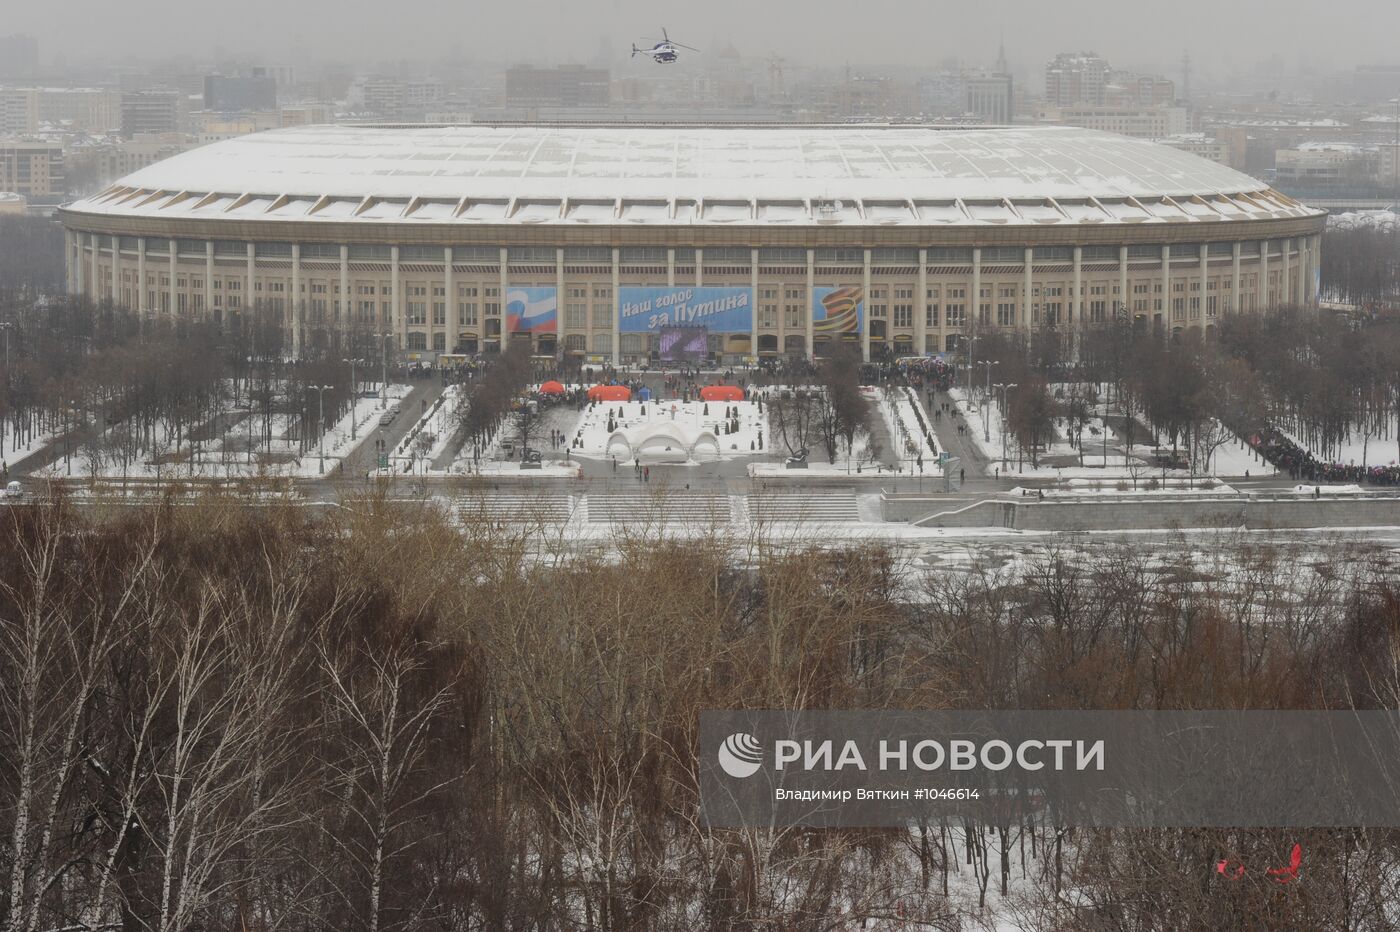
{"x": 858, "y": 174}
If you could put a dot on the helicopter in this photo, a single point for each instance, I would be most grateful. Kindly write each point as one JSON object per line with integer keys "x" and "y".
{"x": 665, "y": 51}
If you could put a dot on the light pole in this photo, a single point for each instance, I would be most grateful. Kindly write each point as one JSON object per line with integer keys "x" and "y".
{"x": 354, "y": 396}
{"x": 384, "y": 369}
{"x": 987, "y": 401}
{"x": 7, "y": 326}
{"x": 320, "y": 390}
{"x": 1004, "y": 387}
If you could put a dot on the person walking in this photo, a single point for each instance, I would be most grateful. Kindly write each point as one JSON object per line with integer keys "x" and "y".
{"x": 646, "y": 473}
{"x": 962, "y": 474}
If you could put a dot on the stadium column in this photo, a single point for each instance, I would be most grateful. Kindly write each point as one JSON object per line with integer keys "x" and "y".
{"x": 1028, "y": 286}
{"x": 116, "y": 269}
{"x": 1285, "y": 283}
{"x": 974, "y": 320}
{"x": 248, "y": 303}
{"x": 1205, "y": 302}
{"x": 1166, "y": 288}
{"x": 75, "y": 263}
{"x": 296, "y": 298}
{"x": 1076, "y": 304}
{"x": 172, "y": 248}
{"x": 395, "y": 294}
{"x": 671, "y": 268}
{"x": 1263, "y": 290}
{"x": 865, "y": 298}
{"x": 753, "y": 311}
{"x": 920, "y": 306}
{"x": 209, "y": 278}
{"x": 699, "y": 266}
{"x": 1233, "y": 304}
{"x": 454, "y": 321}
{"x": 1315, "y": 256}
{"x": 559, "y": 302}
{"x": 1300, "y": 270}
{"x": 617, "y": 305}
{"x": 342, "y": 322}
{"x": 1123, "y": 277}
{"x": 68, "y": 261}
{"x": 96, "y": 243}
{"x": 811, "y": 301}
{"x": 141, "y": 278}
{"x": 503, "y": 282}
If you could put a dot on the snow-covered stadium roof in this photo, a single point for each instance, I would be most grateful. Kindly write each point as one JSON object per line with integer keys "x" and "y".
{"x": 668, "y": 174}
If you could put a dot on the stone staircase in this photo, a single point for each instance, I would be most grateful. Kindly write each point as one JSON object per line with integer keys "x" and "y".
{"x": 531, "y": 507}
{"x": 820, "y": 505}
{"x": 659, "y": 505}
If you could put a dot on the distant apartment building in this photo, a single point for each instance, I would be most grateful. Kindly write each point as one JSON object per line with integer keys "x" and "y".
{"x": 214, "y": 126}
{"x": 1227, "y": 147}
{"x": 33, "y": 169}
{"x": 1140, "y": 123}
{"x": 1388, "y": 165}
{"x": 1129, "y": 89}
{"x": 306, "y": 115}
{"x": 89, "y": 109}
{"x": 1320, "y": 167}
{"x": 564, "y": 86}
{"x": 377, "y": 95}
{"x": 989, "y": 96}
{"x": 102, "y": 162}
{"x": 150, "y": 111}
{"x": 1076, "y": 78}
{"x": 230, "y": 93}
{"x": 19, "y": 111}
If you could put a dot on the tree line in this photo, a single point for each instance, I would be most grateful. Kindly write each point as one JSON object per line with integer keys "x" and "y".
{"x": 217, "y": 716}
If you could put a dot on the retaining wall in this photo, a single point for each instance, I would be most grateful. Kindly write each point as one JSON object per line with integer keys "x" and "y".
{"x": 1086, "y": 514}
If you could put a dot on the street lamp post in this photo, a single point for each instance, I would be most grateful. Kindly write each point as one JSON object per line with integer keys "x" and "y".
{"x": 384, "y": 370}
{"x": 320, "y": 391}
{"x": 7, "y": 326}
{"x": 1004, "y": 387}
{"x": 354, "y": 396}
{"x": 987, "y": 401}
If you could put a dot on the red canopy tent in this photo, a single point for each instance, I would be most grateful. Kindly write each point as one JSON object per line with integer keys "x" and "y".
{"x": 610, "y": 393}
{"x": 551, "y": 388}
{"x": 722, "y": 393}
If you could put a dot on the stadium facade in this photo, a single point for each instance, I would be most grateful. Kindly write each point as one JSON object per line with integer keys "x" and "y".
{"x": 605, "y": 241}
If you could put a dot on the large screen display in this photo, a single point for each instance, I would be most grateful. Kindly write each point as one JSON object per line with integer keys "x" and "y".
{"x": 683, "y": 343}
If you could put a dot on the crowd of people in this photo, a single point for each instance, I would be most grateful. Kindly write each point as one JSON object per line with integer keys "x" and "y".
{"x": 1278, "y": 449}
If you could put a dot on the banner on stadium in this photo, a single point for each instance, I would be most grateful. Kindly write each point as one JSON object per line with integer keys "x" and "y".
{"x": 532, "y": 310}
{"x": 838, "y": 310}
{"x": 650, "y": 310}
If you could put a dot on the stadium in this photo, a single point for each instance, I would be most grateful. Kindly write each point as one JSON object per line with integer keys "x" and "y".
{"x": 623, "y": 243}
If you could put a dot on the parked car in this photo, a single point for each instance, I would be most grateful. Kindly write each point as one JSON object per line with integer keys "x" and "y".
{"x": 14, "y": 490}
{"x": 386, "y": 418}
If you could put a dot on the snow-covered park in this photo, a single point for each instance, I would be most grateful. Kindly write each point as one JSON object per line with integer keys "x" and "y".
{"x": 248, "y": 443}
{"x": 669, "y": 431}
{"x": 1097, "y": 451}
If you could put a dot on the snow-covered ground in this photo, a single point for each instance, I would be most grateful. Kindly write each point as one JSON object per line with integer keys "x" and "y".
{"x": 690, "y": 417}
{"x": 1231, "y": 458}
{"x": 12, "y": 453}
{"x": 210, "y": 459}
{"x": 1357, "y": 449}
{"x": 902, "y": 424}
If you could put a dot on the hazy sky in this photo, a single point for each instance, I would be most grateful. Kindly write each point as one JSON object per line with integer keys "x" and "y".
{"x": 1223, "y": 36}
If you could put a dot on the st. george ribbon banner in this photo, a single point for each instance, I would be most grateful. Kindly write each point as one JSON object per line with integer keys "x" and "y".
{"x": 1129, "y": 769}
